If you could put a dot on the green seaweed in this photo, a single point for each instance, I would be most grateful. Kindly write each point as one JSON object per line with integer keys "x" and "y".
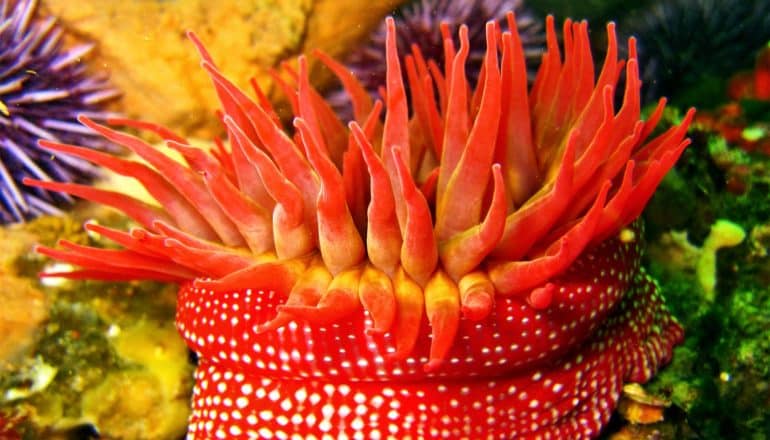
{"x": 721, "y": 375}
{"x": 75, "y": 342}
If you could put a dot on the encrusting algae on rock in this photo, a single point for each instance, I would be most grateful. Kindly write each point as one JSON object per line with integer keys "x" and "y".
{"x": 153, "y": 391}
{"x": 74, "y": 355}
{"x": 456, "y": 273}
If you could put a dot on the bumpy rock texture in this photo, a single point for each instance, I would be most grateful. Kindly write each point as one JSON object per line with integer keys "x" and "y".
{"x": 143, "y": 44}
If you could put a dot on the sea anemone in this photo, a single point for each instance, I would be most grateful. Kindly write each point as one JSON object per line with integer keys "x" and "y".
{"x": 471, "y": 271}
{"x": 686, "y": 44}
{"x": 425, "y": 24}
{"x": 44, "y": 87}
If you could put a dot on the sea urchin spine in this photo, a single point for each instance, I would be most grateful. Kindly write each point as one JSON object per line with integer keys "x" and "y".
{"x": 43, "y": 88}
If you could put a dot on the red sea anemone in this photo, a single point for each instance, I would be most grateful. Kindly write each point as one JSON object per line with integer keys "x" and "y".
{"x": 469, "y": 271}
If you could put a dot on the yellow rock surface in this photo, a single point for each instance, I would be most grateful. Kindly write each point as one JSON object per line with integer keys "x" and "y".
{"x": 132, "y": 405}
{"x": 22, "y": 309}
{"x": 150, "y": 401}
{"x": 14, "y": 241}
{"x": 22, "y": 306}
{"x": 142, "y": 44}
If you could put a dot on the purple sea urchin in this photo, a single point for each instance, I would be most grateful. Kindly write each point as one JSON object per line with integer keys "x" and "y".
{"x": 43, "y": 88}
{"x": 687, "y": 45}
{"x": 418, "y": 23}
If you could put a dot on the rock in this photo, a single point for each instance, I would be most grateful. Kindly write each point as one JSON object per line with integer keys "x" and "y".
{"x": 15, "y": 241}
{"x": 22, "y": 309}
{"x": 143, "y": 45}
{"x": 150, "y": 400}
{"x": 337, "y": 26}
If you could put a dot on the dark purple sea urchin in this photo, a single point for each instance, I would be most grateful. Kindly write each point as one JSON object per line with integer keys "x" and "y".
{"x": 417, "y": 24}
{"x": 686, "y": 44}
{"x": 43, "y": 87}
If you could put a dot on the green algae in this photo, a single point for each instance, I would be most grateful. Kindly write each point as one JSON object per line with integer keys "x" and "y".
{"x": 75, "y": 341}
{"x": 123, "y": 341}
{"x": 99, "y": 338}
{"x": 721, "y": 375}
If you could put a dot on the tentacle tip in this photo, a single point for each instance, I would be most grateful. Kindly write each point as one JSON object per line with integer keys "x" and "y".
{"x": 273, "y": 324}
{"x": 229, "y": 121}
{"x": 541, "y": 297}
{"x": 44, "y": 143}
{"x": 85, "y": 120}
{"x": 137, "y": 233}
{"x": 477, "y": 309}
{"x": 286, "y": 308}
{"x": 172, "y": 243}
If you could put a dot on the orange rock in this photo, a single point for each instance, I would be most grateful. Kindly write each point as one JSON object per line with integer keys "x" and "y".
{"x": 22, "y": 309}
{"x": 142, "y": 44}
{"x": 639, "y": 407}
{"x": 336, "y": 26}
